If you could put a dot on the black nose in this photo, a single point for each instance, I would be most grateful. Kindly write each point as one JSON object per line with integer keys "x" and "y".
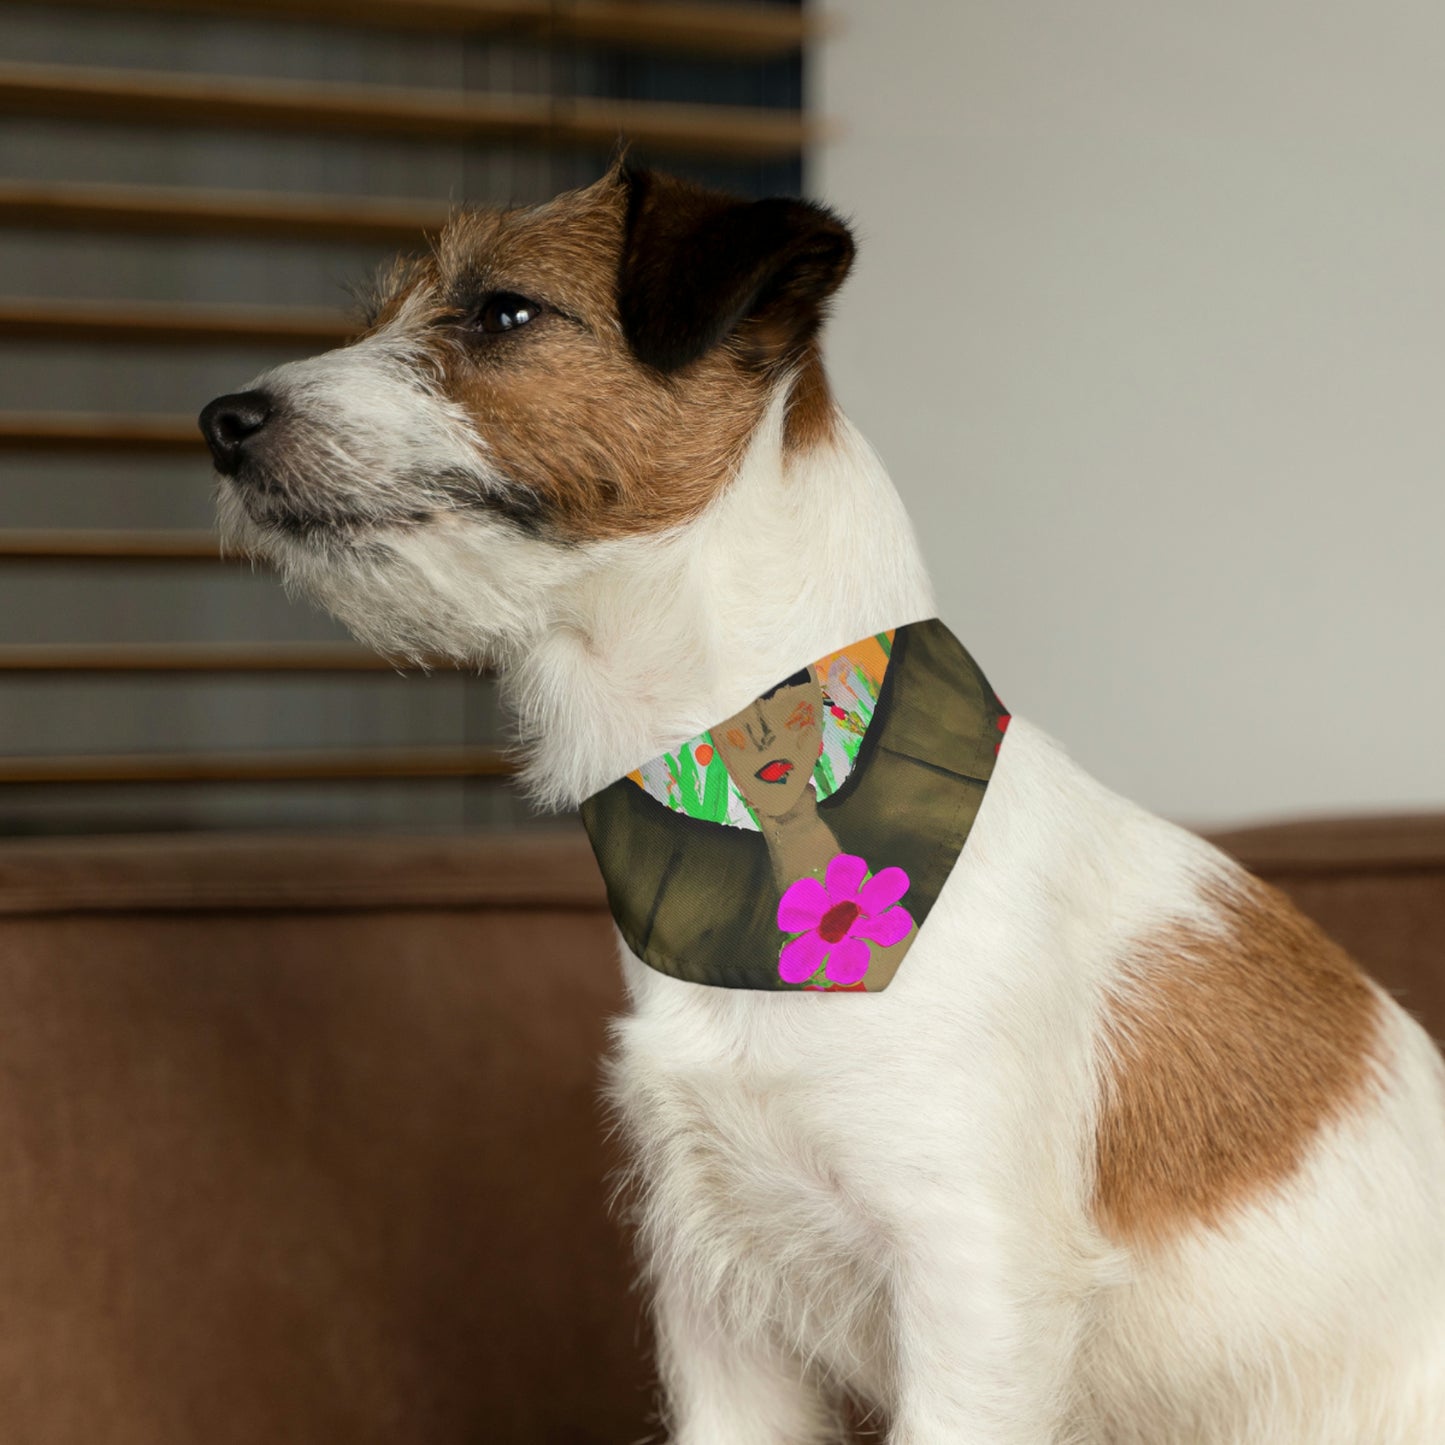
{"x": 229, "y": 422}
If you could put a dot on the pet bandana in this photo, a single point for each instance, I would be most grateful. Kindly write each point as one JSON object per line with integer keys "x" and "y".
{"x": 801, "y": 843}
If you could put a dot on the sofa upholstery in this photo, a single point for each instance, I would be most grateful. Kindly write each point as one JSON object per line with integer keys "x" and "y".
{"x": 300, "y": 1143}
{"x": 300, "y": 1140}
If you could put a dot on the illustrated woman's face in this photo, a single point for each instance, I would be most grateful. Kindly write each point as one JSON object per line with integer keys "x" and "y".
{"x": 771, "y": 746}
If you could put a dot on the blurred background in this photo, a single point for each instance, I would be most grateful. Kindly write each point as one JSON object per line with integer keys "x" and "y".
{"x": 299, "y": 1131}
{"x": 190, "y": 194}
{"x": 1148, "y": 325}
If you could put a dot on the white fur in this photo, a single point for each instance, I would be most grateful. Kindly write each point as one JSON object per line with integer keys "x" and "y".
{"x": 890, "y": 1195}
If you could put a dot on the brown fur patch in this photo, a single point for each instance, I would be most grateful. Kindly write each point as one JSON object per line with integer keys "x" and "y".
{"x": 1228, "y": 1053}
{"x": 602, "y": 447}
{"x": 812, "y": 412}
{"x": 597, "y": 443}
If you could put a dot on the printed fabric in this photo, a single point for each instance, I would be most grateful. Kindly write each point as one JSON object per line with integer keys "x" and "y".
{"x": 801, "y": 843}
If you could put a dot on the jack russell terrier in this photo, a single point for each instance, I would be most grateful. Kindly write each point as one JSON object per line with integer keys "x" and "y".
{"x": 955, "y": 1085}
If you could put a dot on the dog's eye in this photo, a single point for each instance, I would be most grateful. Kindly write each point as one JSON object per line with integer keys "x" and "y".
{"x": 505, "y": 311}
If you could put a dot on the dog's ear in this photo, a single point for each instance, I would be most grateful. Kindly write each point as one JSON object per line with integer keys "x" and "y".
{"x": 698, "y": 267}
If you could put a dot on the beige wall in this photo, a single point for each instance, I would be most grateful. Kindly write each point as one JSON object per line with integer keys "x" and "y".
{"x": 1149, "y": 324}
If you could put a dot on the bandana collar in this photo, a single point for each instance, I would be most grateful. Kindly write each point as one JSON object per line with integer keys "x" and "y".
{"x": 801, "y": 843}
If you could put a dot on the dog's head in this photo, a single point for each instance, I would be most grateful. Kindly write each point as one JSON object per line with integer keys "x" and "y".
{"x": 545, "y": 382}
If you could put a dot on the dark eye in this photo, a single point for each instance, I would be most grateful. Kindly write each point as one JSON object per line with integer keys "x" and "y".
{"x": 506, "y": 311}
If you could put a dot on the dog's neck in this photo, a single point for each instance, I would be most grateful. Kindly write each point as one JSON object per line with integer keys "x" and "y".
{"x": 662, "y": 637}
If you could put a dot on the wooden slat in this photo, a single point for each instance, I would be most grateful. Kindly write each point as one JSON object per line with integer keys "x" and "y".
{"x": 108, "y": 546}
{"x": 703, "y": 29}
{"x": 709, "y": 29}
{"x": 171, "y": 324}
{"x": 95, "y": 431}
{"x": 548, "y": 868}
{"x": 258, "y": 767}
{"x": 216, "y": 101}
{"x": 170, "y": 210}
{"x": 181, "y": 657}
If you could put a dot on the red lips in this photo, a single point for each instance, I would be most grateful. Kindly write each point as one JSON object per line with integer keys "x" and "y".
{"x": 775, "y": 771}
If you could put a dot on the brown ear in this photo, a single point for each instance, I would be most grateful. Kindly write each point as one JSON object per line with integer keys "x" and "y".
{"x": 699, "y": 266}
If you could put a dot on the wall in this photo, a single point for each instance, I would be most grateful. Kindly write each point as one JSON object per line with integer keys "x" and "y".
{"x": 1149, "y": 324}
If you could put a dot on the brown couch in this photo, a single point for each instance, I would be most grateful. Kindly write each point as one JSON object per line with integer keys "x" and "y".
{"x": 299, "y": 1141}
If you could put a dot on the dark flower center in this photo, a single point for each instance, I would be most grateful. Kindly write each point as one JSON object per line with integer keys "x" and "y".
{"x": 835, "y": 922}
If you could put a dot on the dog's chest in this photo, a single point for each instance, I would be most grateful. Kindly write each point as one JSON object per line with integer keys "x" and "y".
{"x": 751, "y": 1181}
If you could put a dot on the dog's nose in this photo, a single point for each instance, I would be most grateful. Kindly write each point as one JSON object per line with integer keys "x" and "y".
{"x": 229, "y": 422}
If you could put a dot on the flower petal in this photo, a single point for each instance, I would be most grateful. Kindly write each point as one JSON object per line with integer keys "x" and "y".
{"x": 848, "y": 961}
{"x": 886, "y": 886}
{"x": 802, "y": 906}
{"x": 845, "y": 873}
{"x": 801, "y": 957}
{"x": 884, "y": 929}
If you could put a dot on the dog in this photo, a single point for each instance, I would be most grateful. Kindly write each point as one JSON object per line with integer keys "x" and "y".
{"x": 1127, "y": 1152}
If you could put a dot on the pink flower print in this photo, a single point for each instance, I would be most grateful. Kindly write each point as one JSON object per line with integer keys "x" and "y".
{"x": 837, "y": 919}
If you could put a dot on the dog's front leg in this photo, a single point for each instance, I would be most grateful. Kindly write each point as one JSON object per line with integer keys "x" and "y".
{"x": 986, "y": 1344}
{"x": 722, "y": 1387}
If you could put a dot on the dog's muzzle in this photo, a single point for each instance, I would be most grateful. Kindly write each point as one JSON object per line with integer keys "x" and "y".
{"x": 231, "y": 424}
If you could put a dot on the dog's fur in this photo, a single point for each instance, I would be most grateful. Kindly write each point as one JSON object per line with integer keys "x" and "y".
{"x": 1128, "y": 1152}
